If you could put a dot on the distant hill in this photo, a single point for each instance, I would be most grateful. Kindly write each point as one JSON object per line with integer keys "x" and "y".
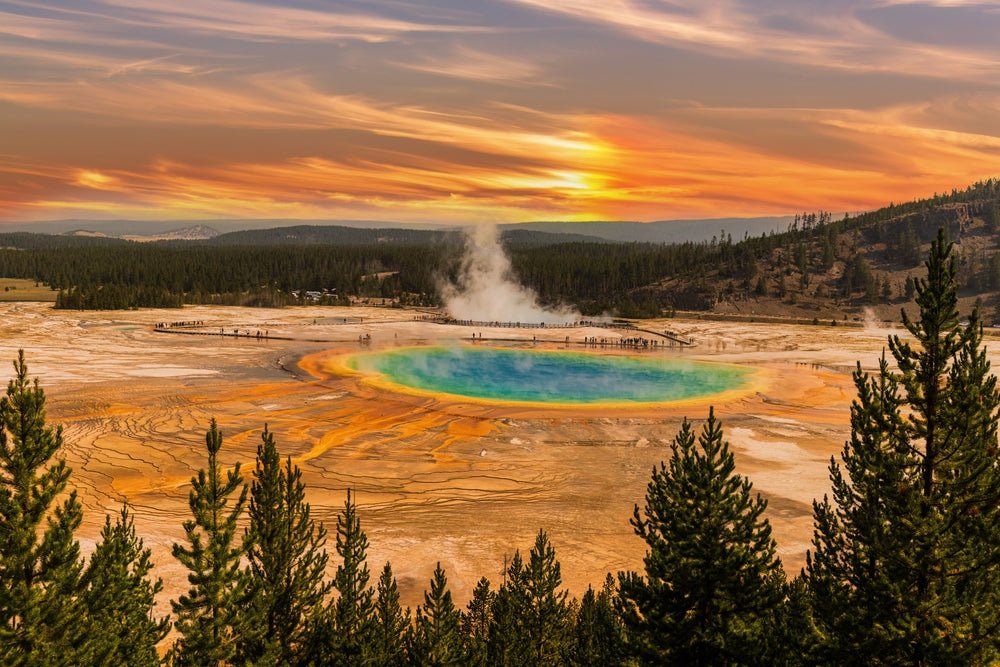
{"x": 662, "y": 231}
{"x": 87, "y": 234}
{"x": 339, "y": 235}
{"x": 862, "y": 267}
{"x": 514, "y": 236}
{"x": 325, "y": 235}
{"x": 32, "y": 241}
{"x": 192, "y": 233}
{"x": 820, "y": 268}
{"x": 149, "y": 228}
{"x": 302, "y": 235}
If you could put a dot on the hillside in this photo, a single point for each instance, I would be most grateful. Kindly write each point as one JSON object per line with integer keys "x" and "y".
{"x": 192, "y": 233}
{"x": 826, "y": 269}
{"x": 661, "y": 231}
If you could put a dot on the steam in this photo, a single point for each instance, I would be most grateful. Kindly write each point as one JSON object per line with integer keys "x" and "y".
{"x": 486, "y": 289}
{"x": 873, "y": 324}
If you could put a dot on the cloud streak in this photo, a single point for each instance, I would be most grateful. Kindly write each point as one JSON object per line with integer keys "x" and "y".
{"x": 581, "y": 109}
{"x": 823, "y": 35}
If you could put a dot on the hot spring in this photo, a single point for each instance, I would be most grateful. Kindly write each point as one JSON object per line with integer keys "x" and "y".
{"x": 530, "y": 376}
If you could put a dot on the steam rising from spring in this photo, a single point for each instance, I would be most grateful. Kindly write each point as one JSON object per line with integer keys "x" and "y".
{"x": 486, "y": 289}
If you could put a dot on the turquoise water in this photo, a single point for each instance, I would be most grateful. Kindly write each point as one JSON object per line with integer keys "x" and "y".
{"x": 550, "y": 377}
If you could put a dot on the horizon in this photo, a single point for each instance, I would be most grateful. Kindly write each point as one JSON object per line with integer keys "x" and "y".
{"x": 422, "y": 222}
{"x": 490, "y": 112}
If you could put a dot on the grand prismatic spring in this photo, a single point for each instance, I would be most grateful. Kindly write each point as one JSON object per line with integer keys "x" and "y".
{"x": 448, "y": 462}
{"x": 548, "y": 377}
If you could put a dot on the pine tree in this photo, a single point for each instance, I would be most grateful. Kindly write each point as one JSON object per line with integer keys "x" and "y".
{"x": 906, "y": 561}
{"x": 598, "y": 633}
{"x": 351, "y": 616}
{"x": 208, "y": 616}
{"x": 437, "y": 637}
{"x": 120, "y": 596}
{"x": 476, "y": 621}
{"x": 530, "y": 617}
{"x": 713, "y": 585}
{"x": 507, "y": 646}
{"x": 40, "y": 565}
{"x": 546, "y": 614}
{"x": 286, "y": 558}
{"x": 391, "y": 623}
{"x": 992, "y": 216}
{"x": 796, "y": 636}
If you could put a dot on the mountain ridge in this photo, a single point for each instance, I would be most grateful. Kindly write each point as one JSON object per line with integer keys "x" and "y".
{"x": 656, "y": 231}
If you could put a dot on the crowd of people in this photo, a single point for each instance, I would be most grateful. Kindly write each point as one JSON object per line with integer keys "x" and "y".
{"x": 636, "y": 342}
{"x": 497, "y": 324}
{"x": 182, "y": 323}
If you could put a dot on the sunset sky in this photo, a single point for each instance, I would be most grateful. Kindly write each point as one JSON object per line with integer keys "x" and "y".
{"x": 508, "y": 110}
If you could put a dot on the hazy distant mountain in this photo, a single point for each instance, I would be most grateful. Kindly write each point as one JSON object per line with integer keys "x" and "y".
{"x": 326, "y": 234}
{"x": 516, "y": 236}
{"x": 342, "y": 235}
{"x": 192, "y": 233}
{"x": 662, "y": 231}
{"x": 145, "y": 228}
{"x": 87, "y": 233}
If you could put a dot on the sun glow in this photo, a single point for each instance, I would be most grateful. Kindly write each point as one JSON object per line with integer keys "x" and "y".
{"x": 391, "y": 121}
{"x": 95, "y": 179}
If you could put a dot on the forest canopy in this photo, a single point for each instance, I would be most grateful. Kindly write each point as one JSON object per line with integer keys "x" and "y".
{"x": 868, "y": 258}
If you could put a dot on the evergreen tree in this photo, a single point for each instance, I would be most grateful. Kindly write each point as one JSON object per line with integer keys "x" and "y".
{"x": 598, "y": 633}
{"x": 437, "y": 637}
{"x": 829, "y": 253}
{"x": 120, "y": 596}
{"x": 908, "y": 248}
{"x": 761, "y": 287}
{"x": 796, "y": 636}
{"x": 208, "y": 616}
{"x": 391, "y": 623}
{"x": 40, "y": 565}
{"x": 713, "y": 585}
{"x": 530, "y": 617}
{"x": 545, "y": 616}
{"x": 287, "y": 561}
{"x": 476, "y": 621}
{"x": 507, "y": 646}
{"x": 348, "y": 634}
{"x": 906, "y": 561}
{"x": 992, "y": 216}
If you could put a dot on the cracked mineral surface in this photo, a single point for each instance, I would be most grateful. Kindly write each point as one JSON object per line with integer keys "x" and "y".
{"x": 437, "y": 478}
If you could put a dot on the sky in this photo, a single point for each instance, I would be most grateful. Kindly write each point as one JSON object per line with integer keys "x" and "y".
{"x": 501, "y": 111}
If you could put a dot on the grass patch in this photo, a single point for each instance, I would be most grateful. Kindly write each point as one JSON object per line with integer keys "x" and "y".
{"x": 19, "y": 289}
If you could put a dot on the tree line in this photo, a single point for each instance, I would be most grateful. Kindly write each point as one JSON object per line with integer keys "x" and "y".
{"x": 269, "y": 267}
{"x": 904, "y": 567}
{"x": 595, "y": 277}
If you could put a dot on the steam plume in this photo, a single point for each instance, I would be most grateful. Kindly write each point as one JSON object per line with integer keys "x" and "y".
{"x": 486, "y": 289}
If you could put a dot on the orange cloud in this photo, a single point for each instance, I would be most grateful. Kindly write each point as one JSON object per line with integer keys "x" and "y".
{"x": 631, "y": 167}
{"x": 239, "y": 108}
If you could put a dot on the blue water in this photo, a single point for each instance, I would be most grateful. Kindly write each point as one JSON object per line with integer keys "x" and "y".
{"x": 550, "y": 377}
